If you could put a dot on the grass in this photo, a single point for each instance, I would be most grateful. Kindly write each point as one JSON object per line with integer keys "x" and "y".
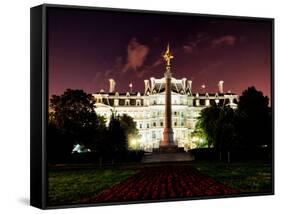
{"x": 72, "y": 186}
{"x": 246, "y": 177}
{"x": 80, "y": 183}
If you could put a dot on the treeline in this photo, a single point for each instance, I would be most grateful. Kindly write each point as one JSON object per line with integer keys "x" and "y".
{"x": 245, "y": 132}
{"x": 73, "y": 120}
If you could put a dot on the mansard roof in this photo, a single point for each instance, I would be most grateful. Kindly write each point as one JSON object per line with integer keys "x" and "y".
{"x": 177, "y": 86}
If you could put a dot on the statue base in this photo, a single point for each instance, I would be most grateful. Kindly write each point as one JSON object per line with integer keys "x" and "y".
{"x": 170, "y": 148}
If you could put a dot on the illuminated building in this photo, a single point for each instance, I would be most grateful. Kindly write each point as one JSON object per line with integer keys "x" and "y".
{"x": 147, "y": 108}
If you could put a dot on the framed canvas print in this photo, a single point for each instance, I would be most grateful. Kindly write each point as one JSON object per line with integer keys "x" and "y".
{"x": 131, "y": 106}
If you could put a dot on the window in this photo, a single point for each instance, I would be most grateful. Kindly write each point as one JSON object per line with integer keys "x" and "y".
{"x": 116, "y": 102}
{"x": 147, "y": 125}
{"x": 154, "y": 124}
{"x": 175, "y": 124}
{"x": 140, "y": 126}
{"x": 127, "y": 102}
{"x": 138, "y": 103}
{"x": 161, "y": 123}
{"x": 153, "y": 135}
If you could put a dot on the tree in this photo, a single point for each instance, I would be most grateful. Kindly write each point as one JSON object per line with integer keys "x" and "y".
{"x": 74, "y": 115}
{"x": 246, "y": 129}
{"x": 206, "y": 123}
{"x": 130, "y": 128}
{"x": 58, "y": 146}
{"x": 217, "y": 125}
{"x": 117, "y": 143}
{"x": 254, "y": 119}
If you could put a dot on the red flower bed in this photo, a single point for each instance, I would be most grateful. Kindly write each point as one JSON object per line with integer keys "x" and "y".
{"x": 162, "y": 183}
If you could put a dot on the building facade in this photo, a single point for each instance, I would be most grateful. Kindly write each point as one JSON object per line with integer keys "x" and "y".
{"x": 148, "y": 108}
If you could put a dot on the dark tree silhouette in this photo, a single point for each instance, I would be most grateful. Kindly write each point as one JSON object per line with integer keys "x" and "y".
{"x": 73, "y": 115}
{"x": 207, "y": 123}
{"x": 129, "y": 126}
{"x": 247, "y": 130}
{"x": 254, "y": 117}
{"x": 117, "y": 143}
{"x": 59, "y": 147}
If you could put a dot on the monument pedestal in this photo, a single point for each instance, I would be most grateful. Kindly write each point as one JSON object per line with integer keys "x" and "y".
{"x": 168, "y": 149}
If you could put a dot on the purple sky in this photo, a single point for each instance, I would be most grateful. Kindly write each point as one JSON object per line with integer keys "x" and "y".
{"x": 87, "y": 47}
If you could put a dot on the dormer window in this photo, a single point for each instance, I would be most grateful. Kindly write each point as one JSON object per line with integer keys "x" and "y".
{"x": 99, "y": 99}
{"x": 138, "y": 102}
{"x": 116, "y": 102}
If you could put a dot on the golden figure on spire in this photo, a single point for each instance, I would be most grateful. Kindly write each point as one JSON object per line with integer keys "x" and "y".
{"x": 168, "y": 56}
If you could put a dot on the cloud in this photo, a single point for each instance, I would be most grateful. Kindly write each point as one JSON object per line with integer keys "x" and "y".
{"x": 136, "y": 55}
{"x": 211, "y": 67}
{"x": 156, "y": 63}
{"x": 194, "y": 45}
{"x": 149, "y": 68}
{"x": 188, "y": 49}
{"x": 227, "y": 40}
{"x": 107, "y": 73}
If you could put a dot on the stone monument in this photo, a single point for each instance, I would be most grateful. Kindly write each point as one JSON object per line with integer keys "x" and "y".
{"x": 168, "y": 144}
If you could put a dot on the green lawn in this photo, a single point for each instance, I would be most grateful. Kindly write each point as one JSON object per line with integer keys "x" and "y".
{"x": 80, "y": 183}
{"x": 246, "y": 177}
{"x": 72, "y": 186}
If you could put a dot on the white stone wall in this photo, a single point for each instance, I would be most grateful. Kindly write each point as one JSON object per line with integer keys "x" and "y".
{"x": 150, "y": 118}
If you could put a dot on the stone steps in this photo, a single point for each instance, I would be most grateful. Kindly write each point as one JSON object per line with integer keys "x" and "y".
{"x": 158, "y": 157}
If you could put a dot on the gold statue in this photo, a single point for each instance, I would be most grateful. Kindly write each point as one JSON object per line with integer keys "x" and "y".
{"x": 168, "y": 56}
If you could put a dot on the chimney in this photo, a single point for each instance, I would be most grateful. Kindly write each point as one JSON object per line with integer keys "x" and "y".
{"x": 152, "y": 79}
{"x": 220, "y": 87}
{"x": 190, "y": 84}
{"x": 111, "y": 85}
{"x": 146, "y": 86}
{"x": 184, "y": 84}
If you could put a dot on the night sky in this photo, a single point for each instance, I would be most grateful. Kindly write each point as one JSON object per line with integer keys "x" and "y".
{"x": 87, "y": 47}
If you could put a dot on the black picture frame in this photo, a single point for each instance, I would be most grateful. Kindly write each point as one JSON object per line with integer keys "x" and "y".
{"x": 39, "y": 103}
